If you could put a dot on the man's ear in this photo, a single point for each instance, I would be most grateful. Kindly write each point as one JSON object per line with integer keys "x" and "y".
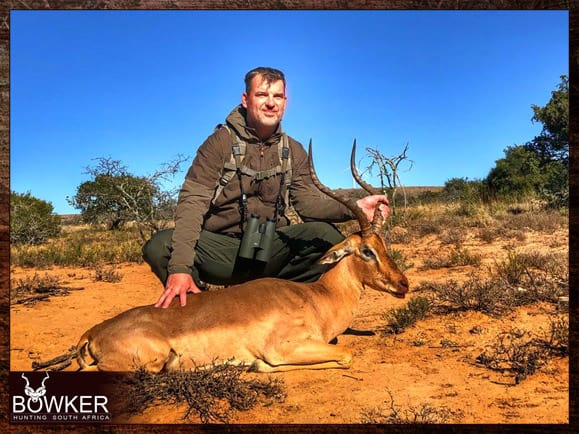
{"x": 244, "y": 99}
{"x": 336, "y": 253}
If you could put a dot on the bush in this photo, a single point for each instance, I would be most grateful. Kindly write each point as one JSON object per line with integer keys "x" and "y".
{"x": 420, "y": 414}
{"x": 458, "y": 257}
{"x": 82, "y": 248}
{"x": 523, "y": 357}
{"x": 106, "y": 274}
{"x": 32, "y": 221}
{"x": 405, "y": 316}
{"x": 214, "y": 393}
{"x": 35, "y": 288}
{"x": 483, "y": 295}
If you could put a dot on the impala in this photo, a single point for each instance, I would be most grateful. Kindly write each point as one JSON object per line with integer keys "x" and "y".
{"x": 266, "y": 324}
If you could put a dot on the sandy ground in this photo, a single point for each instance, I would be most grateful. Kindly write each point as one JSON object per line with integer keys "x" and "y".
{"x": 414, "y": 368}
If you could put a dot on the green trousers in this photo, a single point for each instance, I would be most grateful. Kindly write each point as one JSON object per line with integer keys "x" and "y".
{"x": 295, "y": 251}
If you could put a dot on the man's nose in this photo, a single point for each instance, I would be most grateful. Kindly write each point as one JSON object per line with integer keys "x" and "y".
{"x": 270, "y": 101}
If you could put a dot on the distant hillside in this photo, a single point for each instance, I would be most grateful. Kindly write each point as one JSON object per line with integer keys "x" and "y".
{"x": 410, "y": 191}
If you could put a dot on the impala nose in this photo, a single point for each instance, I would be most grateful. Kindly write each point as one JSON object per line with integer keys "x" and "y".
{"x": 403, "y": 285}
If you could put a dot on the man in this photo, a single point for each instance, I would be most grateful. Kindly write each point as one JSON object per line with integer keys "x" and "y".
{"x": 211, "y": 215}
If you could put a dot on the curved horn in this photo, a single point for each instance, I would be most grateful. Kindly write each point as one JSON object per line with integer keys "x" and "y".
{"x": 349, "y": 203}
{"x": 355, "y": 173}
{"x": 27, "y": 382}
{"x": 45, "y": 378}
{"x": 378, "y": 220}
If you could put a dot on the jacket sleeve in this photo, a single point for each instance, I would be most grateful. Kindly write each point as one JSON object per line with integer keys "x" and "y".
{"x": 194, "y": 201}
{"x": 307, "y": 199}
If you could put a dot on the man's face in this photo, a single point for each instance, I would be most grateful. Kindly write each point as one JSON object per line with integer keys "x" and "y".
{"x": 265, "y": 103}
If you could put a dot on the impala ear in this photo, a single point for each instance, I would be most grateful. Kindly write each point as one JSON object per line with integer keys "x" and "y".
{"x": 336, "y": 253}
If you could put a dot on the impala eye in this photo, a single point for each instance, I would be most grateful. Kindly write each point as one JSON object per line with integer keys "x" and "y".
{"x": 368, "y": 253}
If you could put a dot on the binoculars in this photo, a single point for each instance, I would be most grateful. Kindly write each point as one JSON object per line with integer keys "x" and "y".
{"x": 257, "y": 239}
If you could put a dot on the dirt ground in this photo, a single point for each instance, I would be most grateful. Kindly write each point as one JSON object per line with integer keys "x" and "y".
{"x": 413, "y": 368}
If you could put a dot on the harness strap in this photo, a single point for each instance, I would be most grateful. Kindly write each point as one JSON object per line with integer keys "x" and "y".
{"x": 281, "y": 203}
{"x": 235, "y": 166}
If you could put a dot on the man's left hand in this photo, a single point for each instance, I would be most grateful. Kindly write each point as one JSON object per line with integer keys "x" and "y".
{"x": 369, "y": 203}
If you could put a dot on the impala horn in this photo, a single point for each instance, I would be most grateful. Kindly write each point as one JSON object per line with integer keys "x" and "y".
{"x": 365, "y": 226}
{"x": 378, "y": 220}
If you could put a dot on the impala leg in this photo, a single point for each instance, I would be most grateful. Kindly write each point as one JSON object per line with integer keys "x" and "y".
{"x": 305, "y": 355}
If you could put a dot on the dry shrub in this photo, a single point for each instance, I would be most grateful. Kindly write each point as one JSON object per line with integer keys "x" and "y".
{"x": 521, "y": 354}
{"x": 518, "y": 280}
{"x": 455, "y": 235}
{"x": 82, "y": 248}
{"x": 543, "y": 221}
{"x": 459, "y": 256}
{"x": 421, "y": 414}
{"x": 214, "y": 393}
{"x": 398, "y": 235}
{"x": 107, "y": 274}
{"x": 534, "y": 276}
{"x": 487, "y": 296}
{"x": 34, "y": 288}
{"x": 401, "y": 260}
{"x": 427, "y": 227}
{"x": 490, "y": 234}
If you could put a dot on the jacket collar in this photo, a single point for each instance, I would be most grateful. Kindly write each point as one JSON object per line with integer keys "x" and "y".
{"x": 237, "y": 120}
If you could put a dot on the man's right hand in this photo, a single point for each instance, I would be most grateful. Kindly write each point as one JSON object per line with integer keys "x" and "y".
{"x": 178, "y": 284}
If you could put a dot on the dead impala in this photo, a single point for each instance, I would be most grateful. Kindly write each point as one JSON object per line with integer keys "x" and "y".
{"x": 267, "y": 324}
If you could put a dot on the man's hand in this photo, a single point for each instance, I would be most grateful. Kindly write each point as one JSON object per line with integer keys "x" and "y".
{"x": 178, "y": 284}
{"x": 368, "y": 205}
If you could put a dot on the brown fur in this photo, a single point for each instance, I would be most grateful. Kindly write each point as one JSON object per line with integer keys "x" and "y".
{"x": 268, "y": 324}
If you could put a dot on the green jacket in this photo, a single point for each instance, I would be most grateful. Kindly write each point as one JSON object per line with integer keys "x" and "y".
{"x": 195, "y": 210}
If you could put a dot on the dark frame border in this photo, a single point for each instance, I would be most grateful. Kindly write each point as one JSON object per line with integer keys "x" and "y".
{"x": 9, "y": 5}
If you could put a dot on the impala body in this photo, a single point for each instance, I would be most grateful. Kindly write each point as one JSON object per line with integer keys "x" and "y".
{"x": 267, "y": 324}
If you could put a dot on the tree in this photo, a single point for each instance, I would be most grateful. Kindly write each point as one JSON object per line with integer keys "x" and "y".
{"x": 517, "y": 175}
{"x": 115, "y": 197}
{"x": 31, "y": 220}
{"x": 463, "y": 190}
{"x": 541, "y": 166}
{"x": 553, "y": 142}
{"x": 388, "y": 168}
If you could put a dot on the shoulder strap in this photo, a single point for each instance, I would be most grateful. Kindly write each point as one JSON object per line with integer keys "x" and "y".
{"x": 235, "y": 163}
{"x": 286, "y": 166}
{"x": 230, "y": 167}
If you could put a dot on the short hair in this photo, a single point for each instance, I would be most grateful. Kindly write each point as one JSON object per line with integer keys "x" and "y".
{"x": 269, "y": 75}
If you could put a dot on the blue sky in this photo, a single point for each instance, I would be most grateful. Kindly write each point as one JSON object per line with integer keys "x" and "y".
{"x": 144, "y": 86}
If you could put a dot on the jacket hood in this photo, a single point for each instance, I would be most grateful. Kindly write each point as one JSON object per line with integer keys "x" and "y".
{"x": 237, "y": 120}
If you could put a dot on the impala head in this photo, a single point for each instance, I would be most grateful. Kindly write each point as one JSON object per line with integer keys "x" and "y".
{"x": 373, "y": 267}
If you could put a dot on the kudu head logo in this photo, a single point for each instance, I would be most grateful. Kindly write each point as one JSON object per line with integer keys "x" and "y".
{"x": 33, "y": 394}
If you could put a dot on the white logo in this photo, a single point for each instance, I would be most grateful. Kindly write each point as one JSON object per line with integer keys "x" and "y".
{"x": 37, "y": 406}
{"x": 35, "y": 395}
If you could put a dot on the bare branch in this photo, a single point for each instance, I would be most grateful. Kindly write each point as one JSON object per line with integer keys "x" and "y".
{"x": 388, "y": 171}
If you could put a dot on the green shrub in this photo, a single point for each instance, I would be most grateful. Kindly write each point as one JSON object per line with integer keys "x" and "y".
{"x": 400, "y": 259}
{"x": 403, "y": 317}
{"x": 82, "y": 248}
{"x": 31, "y": 220}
